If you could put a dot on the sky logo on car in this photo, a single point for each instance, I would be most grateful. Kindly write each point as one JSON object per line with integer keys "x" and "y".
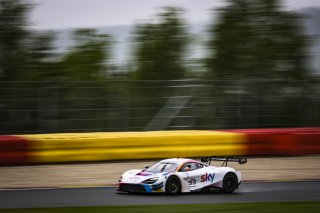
{"x": 207, "y": 177}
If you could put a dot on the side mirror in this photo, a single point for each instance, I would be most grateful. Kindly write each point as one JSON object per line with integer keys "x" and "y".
{"x": 146, "y": 167}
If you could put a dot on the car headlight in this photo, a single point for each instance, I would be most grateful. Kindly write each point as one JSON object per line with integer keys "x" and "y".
{"x": 151, "y": 180}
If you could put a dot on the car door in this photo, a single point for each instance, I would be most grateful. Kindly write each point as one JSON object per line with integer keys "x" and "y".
{"x": 193, "y": 175}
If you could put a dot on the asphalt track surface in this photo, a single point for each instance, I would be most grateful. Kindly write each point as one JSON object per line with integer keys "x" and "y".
{"x": 100, "y": 196}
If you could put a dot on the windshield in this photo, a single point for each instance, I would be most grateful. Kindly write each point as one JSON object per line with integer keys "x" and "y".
{"x": 162, "y": 167}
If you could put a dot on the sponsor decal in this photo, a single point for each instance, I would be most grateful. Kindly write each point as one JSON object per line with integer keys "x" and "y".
{"x": 134, "y": 178}
{"x": 192, "y": 181}
{"x": 207, "y": 177}
{"x": 165, "y": 173}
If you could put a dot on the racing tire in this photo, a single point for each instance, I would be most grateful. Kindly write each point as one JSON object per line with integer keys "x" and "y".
{"x": 230, "y": 183}
{"x": 173, "y": 185}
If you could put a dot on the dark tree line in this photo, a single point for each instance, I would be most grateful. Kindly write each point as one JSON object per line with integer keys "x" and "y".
{"x": 250, "y": 44}
{"x": 250, "y": 39}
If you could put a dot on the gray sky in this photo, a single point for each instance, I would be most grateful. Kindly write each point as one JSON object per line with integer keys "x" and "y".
{"x": 58, "y": 14}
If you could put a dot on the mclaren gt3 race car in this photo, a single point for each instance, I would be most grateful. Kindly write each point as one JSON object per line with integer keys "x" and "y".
{"x": 180, "y": 175}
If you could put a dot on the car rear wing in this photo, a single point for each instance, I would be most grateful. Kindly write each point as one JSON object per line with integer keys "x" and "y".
{"x": 225, "y": 160}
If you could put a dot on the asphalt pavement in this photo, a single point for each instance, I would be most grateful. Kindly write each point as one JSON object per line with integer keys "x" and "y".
{"x": 101, "y": 196}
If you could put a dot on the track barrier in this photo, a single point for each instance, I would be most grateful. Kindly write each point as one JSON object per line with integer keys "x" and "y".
{"x": 102, "y": 146}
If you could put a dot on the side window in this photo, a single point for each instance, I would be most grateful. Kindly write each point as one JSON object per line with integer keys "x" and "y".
{"x": 200, "y": 165}
{"x": 188, "y": 167}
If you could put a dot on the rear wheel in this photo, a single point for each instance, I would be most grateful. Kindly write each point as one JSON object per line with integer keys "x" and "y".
{"x": 230, "y": 183}
{"x": 173, "y": 185}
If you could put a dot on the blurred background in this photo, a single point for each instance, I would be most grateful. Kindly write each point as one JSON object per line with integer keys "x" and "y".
{"x": 224, "y": 65}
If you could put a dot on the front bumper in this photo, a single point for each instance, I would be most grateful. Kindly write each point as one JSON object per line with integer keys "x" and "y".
{"x": 129, "y": 187}
{"x": 140, "y": 188}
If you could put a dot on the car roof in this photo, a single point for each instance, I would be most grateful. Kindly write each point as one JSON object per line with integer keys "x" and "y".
{"x": 178, "y": 161}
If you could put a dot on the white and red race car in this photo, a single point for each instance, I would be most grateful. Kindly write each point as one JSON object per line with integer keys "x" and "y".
{"x": 180, "y": 175}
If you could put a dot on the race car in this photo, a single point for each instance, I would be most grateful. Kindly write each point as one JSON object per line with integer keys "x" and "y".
{"x": 181, "y": 175}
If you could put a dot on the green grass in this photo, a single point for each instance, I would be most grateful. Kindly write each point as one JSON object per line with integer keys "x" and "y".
{"x": 290, "y": 207}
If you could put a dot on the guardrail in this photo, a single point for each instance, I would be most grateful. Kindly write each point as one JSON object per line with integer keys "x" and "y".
{"x": 102, "y": 146}
{"x": 282, "y": 141}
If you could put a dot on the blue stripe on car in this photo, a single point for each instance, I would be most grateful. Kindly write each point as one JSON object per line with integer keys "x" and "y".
{"x": 157, "y": 186}
{"x": 147, "y": 188}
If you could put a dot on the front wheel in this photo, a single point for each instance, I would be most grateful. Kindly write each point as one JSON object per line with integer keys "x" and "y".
{"x": 230, "y": 183}
{"x": 173, "y": 185}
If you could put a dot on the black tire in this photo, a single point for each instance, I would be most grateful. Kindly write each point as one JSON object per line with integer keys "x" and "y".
{"x": 230, "y": 183}
{"x": 173, "y": 185}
